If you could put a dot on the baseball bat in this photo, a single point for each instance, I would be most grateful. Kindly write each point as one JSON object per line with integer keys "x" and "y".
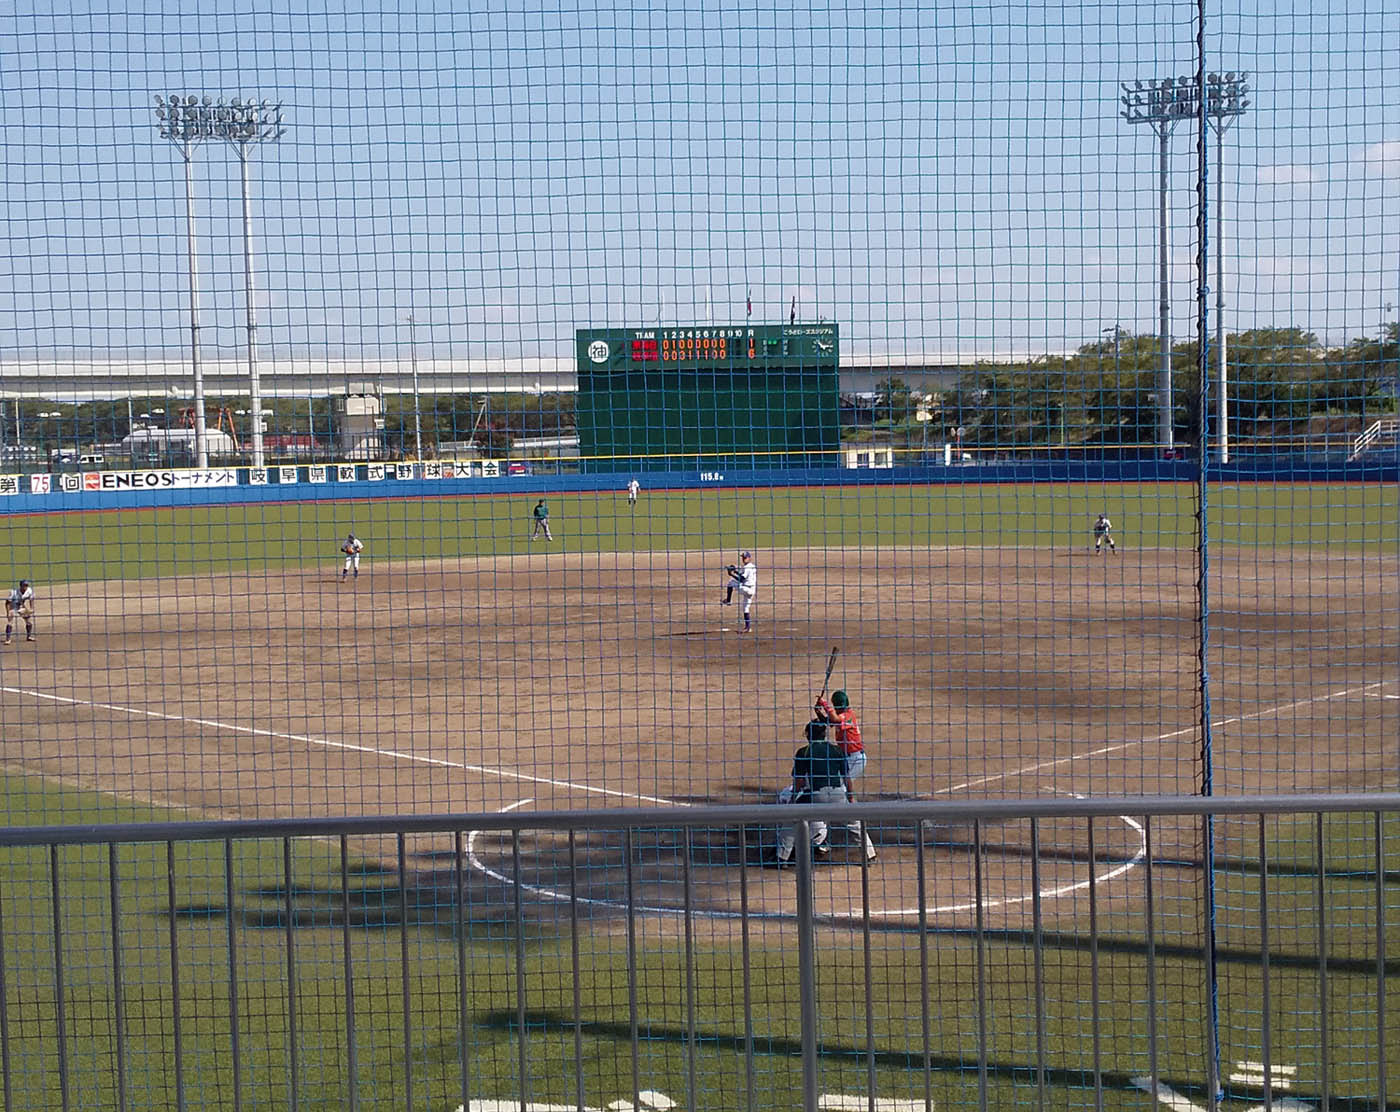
{"x": 830, "y": 664}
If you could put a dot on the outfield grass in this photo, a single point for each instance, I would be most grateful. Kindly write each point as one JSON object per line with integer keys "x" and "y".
{"x": 137, "y": 543}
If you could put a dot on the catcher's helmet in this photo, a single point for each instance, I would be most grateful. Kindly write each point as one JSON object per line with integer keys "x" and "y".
{"x": 816, "y": 730}
{"x": 840, "y": 700}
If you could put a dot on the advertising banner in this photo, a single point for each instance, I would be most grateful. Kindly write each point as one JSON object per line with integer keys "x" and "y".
{"x": 159, "y": 480}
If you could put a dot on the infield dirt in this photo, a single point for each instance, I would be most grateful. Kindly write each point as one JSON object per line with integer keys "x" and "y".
{"x": 552, "y": 681}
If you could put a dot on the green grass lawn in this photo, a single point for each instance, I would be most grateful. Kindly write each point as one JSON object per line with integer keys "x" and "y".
{"x": 189, "y": 540}
{"x": 383, "y": 1034}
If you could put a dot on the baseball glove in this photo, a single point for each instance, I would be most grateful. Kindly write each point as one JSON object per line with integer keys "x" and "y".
{"x": 732, "y": 570}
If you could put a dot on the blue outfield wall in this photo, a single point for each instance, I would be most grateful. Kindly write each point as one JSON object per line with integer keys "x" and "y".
{"x": 1274, "y": 469}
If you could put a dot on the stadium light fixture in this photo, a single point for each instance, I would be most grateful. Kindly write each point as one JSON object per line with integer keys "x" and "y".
{"x": 186, "y": 120}
{"x": 1227, "y": 97}
{"x": 243, "y": 123}
{"x": 1161, "y": 105}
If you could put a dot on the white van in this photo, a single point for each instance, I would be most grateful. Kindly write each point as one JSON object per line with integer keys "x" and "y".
{"x": 92, "y": 462}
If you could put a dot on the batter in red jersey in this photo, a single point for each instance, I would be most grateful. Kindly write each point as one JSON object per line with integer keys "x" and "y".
{"x": 838, "y": 713}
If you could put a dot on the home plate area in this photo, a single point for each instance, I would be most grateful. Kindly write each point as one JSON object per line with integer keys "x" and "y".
{"x": 650, "y": 1101}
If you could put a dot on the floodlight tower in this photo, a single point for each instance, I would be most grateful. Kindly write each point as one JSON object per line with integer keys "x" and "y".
{"x": 184, "y": 121}
{"x": 417, "y": 410}
{"x": 244, "y": 123}
{"x": 1226, "y": 100}
{"x": 1161, "y": 104}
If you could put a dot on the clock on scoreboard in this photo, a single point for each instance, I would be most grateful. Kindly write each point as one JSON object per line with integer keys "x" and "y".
{"x": 707, "y": 347}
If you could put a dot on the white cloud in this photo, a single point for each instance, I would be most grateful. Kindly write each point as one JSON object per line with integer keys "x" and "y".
{"x": 1383, "y": 158}
{"x": 1287, "y": 174}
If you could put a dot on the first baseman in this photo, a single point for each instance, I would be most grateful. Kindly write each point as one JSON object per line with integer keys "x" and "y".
{"x": 352, "y": 547}
{"x": 1103, "y": 531}
{"x": 744, "y": 578}
{"x": 20, "y": 603}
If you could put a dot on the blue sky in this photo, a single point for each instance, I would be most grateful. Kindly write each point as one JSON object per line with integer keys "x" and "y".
{"x": 940, "y": 179}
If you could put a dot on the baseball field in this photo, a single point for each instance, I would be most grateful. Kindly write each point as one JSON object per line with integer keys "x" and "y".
{"x": 210, "y": 662}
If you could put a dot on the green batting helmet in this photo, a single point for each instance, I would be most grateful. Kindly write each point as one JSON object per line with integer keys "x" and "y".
{"x": 840, "y": 700}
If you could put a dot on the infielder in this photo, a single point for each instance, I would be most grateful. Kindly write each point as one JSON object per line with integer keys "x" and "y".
{"x": 20, "y": 603}
{"x": 541, "y": 515}
{"x": 1103, "y": 531}
{"x": 633, "y": 489}
{"x": 744, "y": 577}
{"x": 352, "y": 548}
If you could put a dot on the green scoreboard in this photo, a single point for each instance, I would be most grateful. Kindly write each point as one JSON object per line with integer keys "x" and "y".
{"x": 717, "y": 395}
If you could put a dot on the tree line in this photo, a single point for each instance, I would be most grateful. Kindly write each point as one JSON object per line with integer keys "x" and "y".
{"x": 1279, "y": 379}
{"x": 1103, "y": 394}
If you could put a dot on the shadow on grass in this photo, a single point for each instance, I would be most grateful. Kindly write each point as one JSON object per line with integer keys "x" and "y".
{"x": 543, "y": 1022}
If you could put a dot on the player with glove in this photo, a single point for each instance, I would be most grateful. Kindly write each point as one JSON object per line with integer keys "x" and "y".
{"x": 20, "y": 604}
{"x": 352, "y": 547}
{"x": 744, "y": 577}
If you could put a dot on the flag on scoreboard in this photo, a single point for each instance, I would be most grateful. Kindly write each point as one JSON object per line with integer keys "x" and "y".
{"x": 750, "y": 302}
{"x": 792, "y": 313}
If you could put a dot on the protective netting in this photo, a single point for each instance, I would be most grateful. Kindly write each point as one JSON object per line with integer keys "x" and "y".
{"x": 409, "y": 411}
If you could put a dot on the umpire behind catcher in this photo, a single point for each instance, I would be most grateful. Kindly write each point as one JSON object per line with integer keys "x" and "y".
{"x": 818, "y": 776}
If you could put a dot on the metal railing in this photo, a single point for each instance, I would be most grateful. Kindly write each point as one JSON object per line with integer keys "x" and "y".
{"x": 1386, "y": 429}
{"x": 994, "y": 954}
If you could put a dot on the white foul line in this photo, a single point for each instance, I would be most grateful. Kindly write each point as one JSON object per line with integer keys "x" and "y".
{"x": 1366, "y": 688}
{"x": 391, "y": 754}
{"x": 346, "y": 746}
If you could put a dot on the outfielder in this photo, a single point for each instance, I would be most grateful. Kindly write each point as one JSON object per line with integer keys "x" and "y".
{"x": 744, "y": 577}
{"x": 541, "y": 515}
{"x": 20, "y": 603}
{"x": 1103, "y": 531}
{"x": 633, "y": 489}
{"x": 352, "y": 548}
